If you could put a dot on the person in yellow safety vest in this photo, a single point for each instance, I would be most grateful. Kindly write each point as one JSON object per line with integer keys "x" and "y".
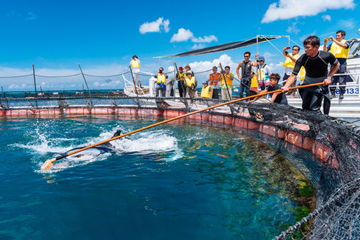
{"x": 180, "y": 77}
{"x": 135, "y": 67}
{"x": 161, "y": 82}
{"x": 206, "y": 91}
{"x": 190, "y": 84}
{"x": 340, "y": 48}
{"x": 254, "y": 82}
{"x": 226, "y": 86}
{"x": 289, "y": 64}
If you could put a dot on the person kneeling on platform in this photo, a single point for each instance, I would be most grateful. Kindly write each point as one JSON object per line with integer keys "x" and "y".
{"x": 190, "y": 84}
{"x": 206, "y": 91}
{"x": 278, "y": 97}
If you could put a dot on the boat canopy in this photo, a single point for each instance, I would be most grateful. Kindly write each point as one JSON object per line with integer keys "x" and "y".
{"x": 226, "y": 46}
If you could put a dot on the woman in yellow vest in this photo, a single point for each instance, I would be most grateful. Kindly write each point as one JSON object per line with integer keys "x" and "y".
{"x": 161, "y": 82}
{"x": 135, "y": 67}
{"x": 190, "y": 84}
{"x": 206, "y": 91}
{"x": 289, "y": 64}
{"x": 340, "y": 48}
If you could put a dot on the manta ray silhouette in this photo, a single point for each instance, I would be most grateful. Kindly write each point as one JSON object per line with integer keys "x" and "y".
{"x": 101, "y": 149}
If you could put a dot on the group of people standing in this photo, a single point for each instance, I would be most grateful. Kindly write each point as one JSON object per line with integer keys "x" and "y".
{"x": 312, "y": 67}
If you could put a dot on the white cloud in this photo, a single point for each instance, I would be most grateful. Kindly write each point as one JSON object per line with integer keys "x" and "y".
{"x": 347, "y": 24}
{"x": 155, "y": 26}
{"x": 326, "y": 18}
{"x": 182, "y": 35}
{"x": 206, "y": 39}
{"x": 224, "y": 59}
{"x": 293, "y": 28}
{"x": 286, "y": 9}
{"x": 31, "y": 16}
{"x": 166, "y": 24}
{"x": 198, "y": 46}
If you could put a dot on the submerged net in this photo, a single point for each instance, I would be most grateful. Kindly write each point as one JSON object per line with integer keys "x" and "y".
{"x": 335, "y": 172}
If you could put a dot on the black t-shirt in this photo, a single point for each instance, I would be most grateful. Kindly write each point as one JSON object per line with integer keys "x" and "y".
{"x": 281, "y": 98}
{"x": 315, "y": 66}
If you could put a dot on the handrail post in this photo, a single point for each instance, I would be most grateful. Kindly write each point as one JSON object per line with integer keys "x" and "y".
{"x": 36, "y": 103}
{"x": 137, "y": 95}
{"x": 87, "y": 86}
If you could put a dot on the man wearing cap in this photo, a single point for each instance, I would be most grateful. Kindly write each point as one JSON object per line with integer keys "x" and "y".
{"x": 135, "y": 67}
{"x": 206, "y": 91}
{"x": 213, "y": 81}
{"x": 161, "y": 77}
{"x": 180, "y": 77}
{"x": 263, "y": 73}
{"x": 340, "y": 48}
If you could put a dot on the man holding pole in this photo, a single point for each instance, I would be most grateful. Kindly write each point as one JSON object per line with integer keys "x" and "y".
{"x": 316, "y": 66}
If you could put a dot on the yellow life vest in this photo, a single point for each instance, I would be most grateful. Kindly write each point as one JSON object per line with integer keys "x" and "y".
{"x": 254, "y": 82}
{"x": 290, "y": 63}
{"x": 302, "y": 73}
{"x": 228, "y": 80}
{"x": 338, "y": 51}
{"x": 181, "y": 76}
{"x": 135, "y": 64}
{"x": 161, "y": 78}
{"x": 206, "y": 92}
{"x": 190, "y": 81}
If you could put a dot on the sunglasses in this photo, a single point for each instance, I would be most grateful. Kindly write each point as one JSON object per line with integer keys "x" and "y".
{"x": 246, "y": 56}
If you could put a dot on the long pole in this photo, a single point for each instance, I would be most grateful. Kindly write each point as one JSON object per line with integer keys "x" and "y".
{"x": 35, "y": 85}
{"x": 49, "y": 163}
{"x": 87, "y": 86}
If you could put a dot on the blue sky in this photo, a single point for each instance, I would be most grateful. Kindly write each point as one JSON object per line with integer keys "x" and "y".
{"x": 103, "y": 35}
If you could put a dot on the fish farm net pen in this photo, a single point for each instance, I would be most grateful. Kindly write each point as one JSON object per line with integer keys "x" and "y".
{"x": 335, "y": 143}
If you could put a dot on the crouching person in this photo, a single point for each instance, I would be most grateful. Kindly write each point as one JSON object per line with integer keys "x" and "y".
{"x": 206, "y": 91}
{"x": 274, "y": 85}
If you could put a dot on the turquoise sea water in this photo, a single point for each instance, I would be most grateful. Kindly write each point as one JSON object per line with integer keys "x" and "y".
{"x": 171, "y": 182}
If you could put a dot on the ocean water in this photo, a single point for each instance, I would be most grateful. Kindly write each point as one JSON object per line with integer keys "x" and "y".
{"x": 170, "y": 182}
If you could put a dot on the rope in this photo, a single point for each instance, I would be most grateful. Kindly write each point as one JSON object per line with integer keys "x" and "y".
{"x": 294, "y": 42}
{"x": 28, "y": 75}
{"x": 115, "y": 75}
{"x": 73, "y": 75}
{"x": 274, "y": 46}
